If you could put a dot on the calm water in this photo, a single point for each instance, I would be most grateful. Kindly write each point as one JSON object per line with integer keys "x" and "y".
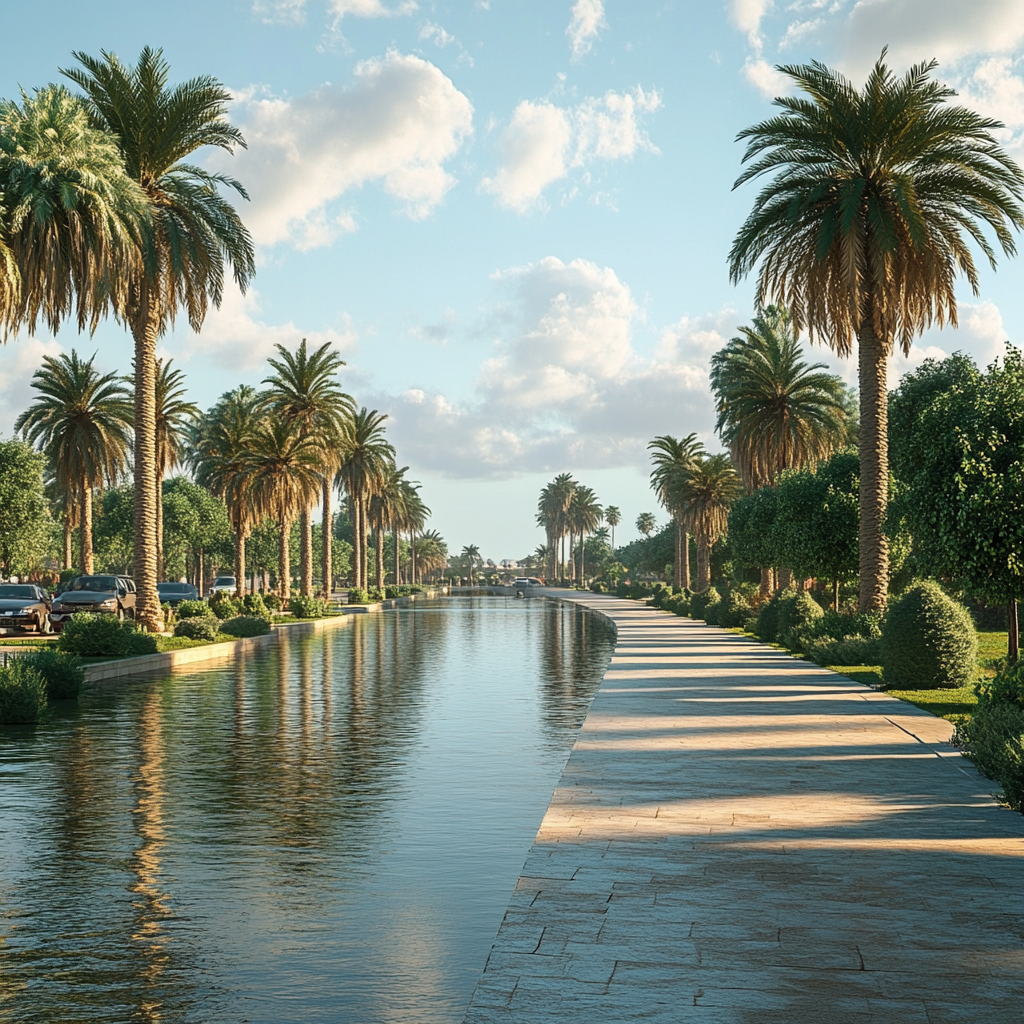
{"x": 326, "y": 831}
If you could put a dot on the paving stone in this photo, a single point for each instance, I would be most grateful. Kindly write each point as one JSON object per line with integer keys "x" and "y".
{"x": 740, "y": 837}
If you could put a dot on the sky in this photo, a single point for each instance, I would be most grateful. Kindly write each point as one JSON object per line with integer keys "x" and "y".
{"x": 511, "y": 217}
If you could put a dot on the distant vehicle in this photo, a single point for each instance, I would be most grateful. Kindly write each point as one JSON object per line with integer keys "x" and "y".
{"x": 24, "y": 606}
{"x": 526, "y": 582}
{"x": 174, "y": 593}
{"x": 222, "y": 585}
{"x": 99, "y": 595}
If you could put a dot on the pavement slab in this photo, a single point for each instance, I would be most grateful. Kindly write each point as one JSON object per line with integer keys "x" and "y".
{"x": 741, "y": 837}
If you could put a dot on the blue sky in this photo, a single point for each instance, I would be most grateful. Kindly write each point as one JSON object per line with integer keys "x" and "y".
{"x": 511, "y": 216}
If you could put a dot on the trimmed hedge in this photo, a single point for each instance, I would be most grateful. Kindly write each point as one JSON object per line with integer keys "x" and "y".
{"x": 356, "y": 595}
{"x": 308, "y": 607}
{"x": 102, "y": 636}
{"x": 194, "y": 610}
{"x": 63, "y": 674}
{"x": 928, "y": 641}
{"x": 22, "y": 693}
{"x": 245, "y": 626}
{"x": 254, "y": 604}
{"x": 223, "y": 606}
{"x": 204, "y": 628}
{"x": 699, "y": 602}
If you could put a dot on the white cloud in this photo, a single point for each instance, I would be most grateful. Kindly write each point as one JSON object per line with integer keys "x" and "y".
{"x": 398, "y": 123}
{"x": 436, "y": 34}
{"x": 234, "y": 337}
{"x": 585, "y": 22}
{"x": 567, "y": 387}
{"x": 19, "y": 360}
{"x": 272, "y": 11}
{"x": 748, "y": 14}
{"x": 370, "y": 8}
{"x": 542, "y": 141}
{"x": 761, "y": 74}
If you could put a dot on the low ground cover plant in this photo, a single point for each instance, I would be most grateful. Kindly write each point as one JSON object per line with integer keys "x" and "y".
{"x": 102, "y": 636}
{"x": 63, "y": 674}
{"x": 308, "y": 607}
{"x": 200, "y": 628}
{"x": 194, "y": 610}
{"x": 224, "y": 606}
{"x": 245, "y": 626}
{"x": 22, "y": 693}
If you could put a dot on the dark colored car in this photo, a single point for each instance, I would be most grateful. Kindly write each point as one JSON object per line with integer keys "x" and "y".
{"x": 24, "y": 606}
{"x": 174, "y": 593}
{"x": 100, "y": 595}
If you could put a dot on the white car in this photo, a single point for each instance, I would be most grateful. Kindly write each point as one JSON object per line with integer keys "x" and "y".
{"x": 525, "y": 582}
{"x": 222, "y": 585}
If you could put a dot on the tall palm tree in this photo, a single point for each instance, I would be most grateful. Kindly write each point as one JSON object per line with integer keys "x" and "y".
{"x": 416, "y": 515}
{"x": 366, "y": 459}
{"x": 708, "y": 491}
{"x": 191, "y": 233}
{"x": 551, "y": 512}
{"x": 645, "y": 523}
{"x": 304, "y": 390}
{"x": 71, "y": 215}
{"x": 284, "y": 477}
{"x": 613, "y": 516}
{"x": 387, "y": 508}
{"x": 863, "y": 229}
{"x": 583, "y": 515}
{"x": 81, "y": 420}
{"x": 432, "y": 552}
{"x": 672, "y": 457}
{"x": 220, "y": 458}
{"x": 471, "y": 555}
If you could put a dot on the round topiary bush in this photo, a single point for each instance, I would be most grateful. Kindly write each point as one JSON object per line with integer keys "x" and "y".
{"x": 795, "y": 615}
{"x": 928, "y": 641}
{"x": 22, "y": 693}
{"x": 194, "y": 610}
{"x": 253, "y": 604}
{"x": 699, "y": 602}
{"x": 245, "y": 625}
{"x": 62, "y": 673}
{"x": 223, "y": 606}
{"x": 197, "y": 629}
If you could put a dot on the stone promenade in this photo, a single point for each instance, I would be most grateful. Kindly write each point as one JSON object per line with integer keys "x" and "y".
{"x": 743, "y": 838}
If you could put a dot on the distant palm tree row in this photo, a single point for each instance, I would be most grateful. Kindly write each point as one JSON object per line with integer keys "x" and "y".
{"x": 567, "y": 510}
{"x": 274, "y": 454}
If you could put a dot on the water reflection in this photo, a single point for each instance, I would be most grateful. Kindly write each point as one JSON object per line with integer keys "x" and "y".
{"x": 328, "y": 830}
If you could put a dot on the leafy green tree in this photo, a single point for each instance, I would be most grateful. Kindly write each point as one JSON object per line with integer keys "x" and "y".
{"x": 195, "y": 523}
{"x": 25, "y": 524}
{"x": 751, "y": 534}
{"x": 862, "y": 231}
{"x": 962, "y": 460}
{"x": 81, "y": 421}
{"x": 115, "y": 527}
{"x": 190, "y": 235}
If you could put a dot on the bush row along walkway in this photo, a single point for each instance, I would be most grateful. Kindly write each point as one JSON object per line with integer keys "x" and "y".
{"x": 743, "y": 837}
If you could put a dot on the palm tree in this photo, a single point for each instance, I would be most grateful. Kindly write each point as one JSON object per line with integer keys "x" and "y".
{"x": 551, "y": 511}
{"x": 431, "y": 551}
{"x": 708, "y": 491}
{"x": 81, "y": 421}
{"x": 863, "y": 229}
{"x": 72, "y": 217}
{"x": 284, "y": 477}
{"x": 416, "y": 516}
{"x": 646, "y": 523}
{"x": 304, "y": 390}
{"x": 366, "y": 459}
{"x": 613, "y": 516}
{"x": 220, "y": 458}
{"x": 583, "y": 515}
{"x": 191, "y": 232}
{"x": 672, "y": 457}
{"x": 386, "y": 509}
{"x": 471, "y": 555}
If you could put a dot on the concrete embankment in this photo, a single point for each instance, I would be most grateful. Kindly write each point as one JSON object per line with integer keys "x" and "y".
{"x": 740, "y": 836}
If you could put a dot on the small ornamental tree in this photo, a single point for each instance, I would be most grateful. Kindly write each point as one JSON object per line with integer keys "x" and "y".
{"x": 751, "y": 535}
{"x": 961, "y": 455}
{"x": 24, "y": 516}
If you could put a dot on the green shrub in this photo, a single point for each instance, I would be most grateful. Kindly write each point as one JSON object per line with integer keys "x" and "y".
{"x": 356, "y": 595}
{"x": 1006, "y": 688}
{"x": 844, "y": 650}
{"x": 195, "y": 610}
{"x": 928, "y": 641}
{"x": 795, "y": 616}
{"x": 375, "y": 594}
{"x": 253, "y": 604}
{"x": 699, "y": 602}
{"x": 272, "y": 602}
{"x": 713, "y": 612}
{"x": 245, "y": 625}
{"x": 308, "y": 607}
{"x": 598, "y": 587}
{"x": 993, "y": 738}
{"x": 102, "y": 636}
{"x": 223, "y": 606}
{"x": 202, "y": 628}
{"x": 733, "y": 610}
{"x": 62, "y": 673}
{"x": 750, "y": 625}
{"x": 137, "y": 640}
{"x": 22, "y": 693}
{"x": 768, "y": 616}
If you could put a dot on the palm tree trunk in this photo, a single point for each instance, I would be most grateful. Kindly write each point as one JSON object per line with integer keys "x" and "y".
{"x": 284, "y": 558}
{"x": 1013, "y": 644}
{"x": 86, "y": 528}
{"x": 199, "y": 571}
{"x": 835, "y": 595}
{"x": 240, "y": 563}
{"x": 306, "y": 553}
{"x": 398, "y": 556}
{"x": 145, "y": 329}
{"x": 874, "y": 468}
{"x": 572, "y": 556}
{"x": 328, "y": 565}
{"x": 686, "y": 560}
{"x": 678, "y": 574}
{"x": 67, "y": 540}
{"x": 380, "y": 558}
{"x": 158, "y": 501}
{"x": 583, "y": 556}
{"x": 412, "y": 557}
{"x": 703, "y": 564}
{"x": 784, "y": 579}
{"x": 356, "y": 557}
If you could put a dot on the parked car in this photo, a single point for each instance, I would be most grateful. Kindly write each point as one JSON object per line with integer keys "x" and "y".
{"x": 174, "y": 593}
{"x": 222, "y": 585}
{"x": 524, "y": 584}
{"x": 100, "y": 595}
{"x": 24, "y": 606}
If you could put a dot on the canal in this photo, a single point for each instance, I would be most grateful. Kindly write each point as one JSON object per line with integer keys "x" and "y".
{"x": 327, "y": 830}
